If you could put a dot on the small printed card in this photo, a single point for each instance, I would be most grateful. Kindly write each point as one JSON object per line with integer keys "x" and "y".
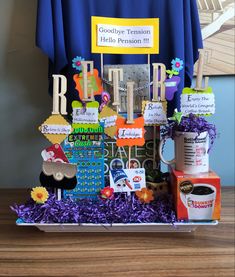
{"x": 109, "y": 117}
{"x": 200, "y": 103}
{"x": 130, "y": 134}
{"x": 55, "y": 128}
{"x": 109, "y": 121}
{"x": 127, "y": 180}
{"x": 154, "y": 113}
{"x": 54, "y": 153}
{"x": 85, "y": 115}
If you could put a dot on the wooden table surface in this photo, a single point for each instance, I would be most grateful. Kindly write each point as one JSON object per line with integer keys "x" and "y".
{"x": 26, "y": 251}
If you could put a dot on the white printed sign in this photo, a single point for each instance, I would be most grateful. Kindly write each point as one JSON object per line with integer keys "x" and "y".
{"x": 56, "y": 129}
{"x": 127, "y": 180}
{"x": 85, "y": 116}
{"x": 124, "y": 36}
{"x": 130, "y": 133}
{"x": 109, "y": 121}
{"x": 154, "y": 114}
{"x": 198, "y": 103}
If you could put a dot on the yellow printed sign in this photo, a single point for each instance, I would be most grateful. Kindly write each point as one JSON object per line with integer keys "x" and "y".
{"x": 124, "y": 35}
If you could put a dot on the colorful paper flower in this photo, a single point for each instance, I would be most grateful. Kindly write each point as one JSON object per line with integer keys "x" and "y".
{"x": 105, "y": 98}
{"x": 145, "y": 195}
{"x": 76, "y": 63}
{"x": 177, "y": 64}
{"x": 39, "y": 195}
{"x": 107, "y": 193}
{"x": 177, "y": 116}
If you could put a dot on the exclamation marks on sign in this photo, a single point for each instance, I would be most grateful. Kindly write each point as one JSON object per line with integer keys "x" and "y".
{"x": 146, "y": 40}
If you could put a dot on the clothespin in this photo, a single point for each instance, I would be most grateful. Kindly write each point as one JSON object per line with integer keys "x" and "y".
{"x": 130, "y": 102}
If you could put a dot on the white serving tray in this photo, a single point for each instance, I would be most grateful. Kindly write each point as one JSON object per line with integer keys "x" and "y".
{"x": 120, "y": 227}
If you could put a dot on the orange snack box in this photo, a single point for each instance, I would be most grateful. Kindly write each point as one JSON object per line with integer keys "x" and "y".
{"x": 196, "y": 197}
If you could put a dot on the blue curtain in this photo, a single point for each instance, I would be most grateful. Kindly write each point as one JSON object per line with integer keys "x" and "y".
{"x": 64, "y": 31}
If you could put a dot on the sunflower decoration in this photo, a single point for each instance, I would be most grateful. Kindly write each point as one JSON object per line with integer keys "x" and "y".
{"x": 145, "y": 195}
{"x": 77, "y": 63}
{"x": 39, "y": 195}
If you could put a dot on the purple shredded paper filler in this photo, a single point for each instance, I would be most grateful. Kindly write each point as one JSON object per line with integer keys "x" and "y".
{"x": 121, "y": 209}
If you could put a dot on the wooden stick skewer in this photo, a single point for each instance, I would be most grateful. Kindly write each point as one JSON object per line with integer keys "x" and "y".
{"x": 129, "y": 157}
{"x": 148, "y": 58}
{"x": 130, "y": 102}
{"x": 130, "y": 112}
{"x": 102, "y": 66}
{"x": 58, "y": 193}
{"x": 158, "y": 83}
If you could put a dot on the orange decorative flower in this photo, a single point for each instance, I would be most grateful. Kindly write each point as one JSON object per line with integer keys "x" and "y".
{"x": 107, "y": 193}
{"x": 145, "y": 195}
{"x": 39, "y": 195}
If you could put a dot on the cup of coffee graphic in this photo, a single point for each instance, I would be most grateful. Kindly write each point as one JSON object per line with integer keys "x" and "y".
{"x": 200, "y": 201}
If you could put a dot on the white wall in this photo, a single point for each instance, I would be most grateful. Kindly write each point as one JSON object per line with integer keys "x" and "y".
{"x": 24, "y": 102}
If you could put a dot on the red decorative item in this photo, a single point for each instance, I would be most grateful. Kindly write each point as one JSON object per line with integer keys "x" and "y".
{"x": 107, "y": 193}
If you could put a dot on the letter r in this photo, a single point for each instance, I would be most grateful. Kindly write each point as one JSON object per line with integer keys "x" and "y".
{"x": 59, "y": 90}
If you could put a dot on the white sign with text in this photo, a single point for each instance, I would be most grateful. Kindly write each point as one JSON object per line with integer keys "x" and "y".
{"x": 124, "y": 36}
{"x": 154, "y": 114}
{"x": 198, "y": 103}
{"x": 127, "y": 180}
{"x": 130, "y": 133}
{"x": 85, "y": 116}
{"x": 109, "y": 121}
{"x": 55, "y": 129}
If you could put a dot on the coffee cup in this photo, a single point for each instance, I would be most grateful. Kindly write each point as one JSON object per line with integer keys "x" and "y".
{"x": 191, "y": 152}
{"x": 200, "y": 202}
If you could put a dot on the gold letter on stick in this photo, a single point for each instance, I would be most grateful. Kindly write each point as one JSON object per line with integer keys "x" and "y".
{"x": 159, "y": 82}
{"x": 59, "y": 90}
{"x": 86, "y": 81}
{"x": 115, "y": 75}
